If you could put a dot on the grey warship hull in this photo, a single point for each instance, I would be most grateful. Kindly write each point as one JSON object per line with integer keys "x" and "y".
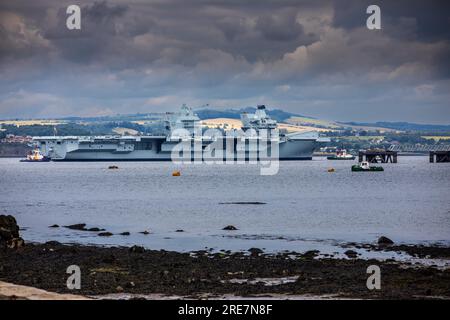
{"x": 148, "y": 149}
{"x": 258, "y": 139}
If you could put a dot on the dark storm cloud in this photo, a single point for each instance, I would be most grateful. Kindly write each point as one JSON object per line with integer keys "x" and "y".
{"x": 426, "y": 20}
{"x": 183, "y": 27}
{"x": 313, "y": 57}
{"x": 281, "y": 27}
{"x": 98, "y": 37}
{"x": 411, "y": 21}
{"x": 17, "y": 40}
{"x": 98, "y": 18}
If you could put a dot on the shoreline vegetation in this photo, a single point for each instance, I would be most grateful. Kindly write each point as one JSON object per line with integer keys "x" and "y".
{"x": 14, "y": 150}
{"x": 136, "y": 272}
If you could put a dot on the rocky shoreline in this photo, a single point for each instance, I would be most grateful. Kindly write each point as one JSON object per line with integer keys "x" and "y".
{"x": 136, "y": 271}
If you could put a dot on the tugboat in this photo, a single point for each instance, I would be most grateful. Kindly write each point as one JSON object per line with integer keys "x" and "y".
{"x": 364, "y": 166}
{"x": 35, "y": 156}
{"x": 341, "y": 154}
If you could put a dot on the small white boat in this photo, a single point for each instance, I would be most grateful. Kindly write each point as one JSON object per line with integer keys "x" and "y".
{"x": 35, "y": 156}
{"x": 341, "y": 155}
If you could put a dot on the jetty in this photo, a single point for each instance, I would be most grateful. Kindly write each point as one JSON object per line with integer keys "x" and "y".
{"x": 439, "y": 156}
{"x": 375, "y": 156}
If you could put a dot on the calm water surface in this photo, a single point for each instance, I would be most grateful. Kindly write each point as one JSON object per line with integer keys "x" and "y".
{"x": 306, "y": 207}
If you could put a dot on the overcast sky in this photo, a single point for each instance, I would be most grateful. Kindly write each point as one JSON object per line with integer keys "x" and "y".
{"x": 312, "y": 57}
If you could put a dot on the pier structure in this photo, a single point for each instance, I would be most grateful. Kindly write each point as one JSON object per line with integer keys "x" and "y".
{"x": 375, "y": 156}
{"x": 439, "y": 156}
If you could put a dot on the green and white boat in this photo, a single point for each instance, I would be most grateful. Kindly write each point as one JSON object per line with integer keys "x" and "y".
{"x": 365, "y": 166}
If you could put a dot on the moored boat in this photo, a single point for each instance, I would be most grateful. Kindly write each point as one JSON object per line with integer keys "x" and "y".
{"x": 341, "y": 155}
{"x": 365, "y": 166}
{"x": 35, "y": 156}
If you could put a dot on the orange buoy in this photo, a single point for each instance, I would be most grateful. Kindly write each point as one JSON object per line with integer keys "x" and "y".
{"x": 176, "y": 173}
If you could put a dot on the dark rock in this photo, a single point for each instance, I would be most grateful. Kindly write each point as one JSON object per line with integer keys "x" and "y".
{"x": 179, "y": 230}
{"x": 8, "y": 227}
{"x": 244, "y": 202}
{"x": 105, "y": 234}
{"x": 137, "y": 249}
{"x": 255, "y": 252}
{"x": 82, "y": 227}
{"x": 126, "y": 233}
{"x": 54, "y": 226}
{"x": 78, "y": 226}
{"x": 311, "y": 254}
{"x": 16, "y": 243}
{"x": 230, "y": 227}
{"x": 109, "y": 258}
{"x": 53, "y": 243}
{"x": 385, "y": 241}
{"x": 9, "y": 233}
{"x": 351, "y": 253}
{"x": 113, "y": 167}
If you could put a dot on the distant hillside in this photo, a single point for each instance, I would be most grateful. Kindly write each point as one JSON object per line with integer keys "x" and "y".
{"x": 404, "y": 126}
{"x": 324, "y": 124}
{"x": 203, "y": 113}
{"x": 143, "y": 122}
{"x": 308, "y": 121}
{"x": 116, "y": 117}
{"x": 276, "y": 114}
{"x": 230, "y": 123}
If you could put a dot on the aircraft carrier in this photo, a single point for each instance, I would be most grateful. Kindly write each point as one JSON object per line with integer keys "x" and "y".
{"x": 293, "y": 146}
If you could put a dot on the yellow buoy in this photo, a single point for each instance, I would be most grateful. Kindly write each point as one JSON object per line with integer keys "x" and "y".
{"x": 331, "y": 170}
{"x": 176, "y": 173}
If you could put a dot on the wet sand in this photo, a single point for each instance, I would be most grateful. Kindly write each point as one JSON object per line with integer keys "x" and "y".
{"x": 134, "y": 272}
{"x": 10, "y": 291}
